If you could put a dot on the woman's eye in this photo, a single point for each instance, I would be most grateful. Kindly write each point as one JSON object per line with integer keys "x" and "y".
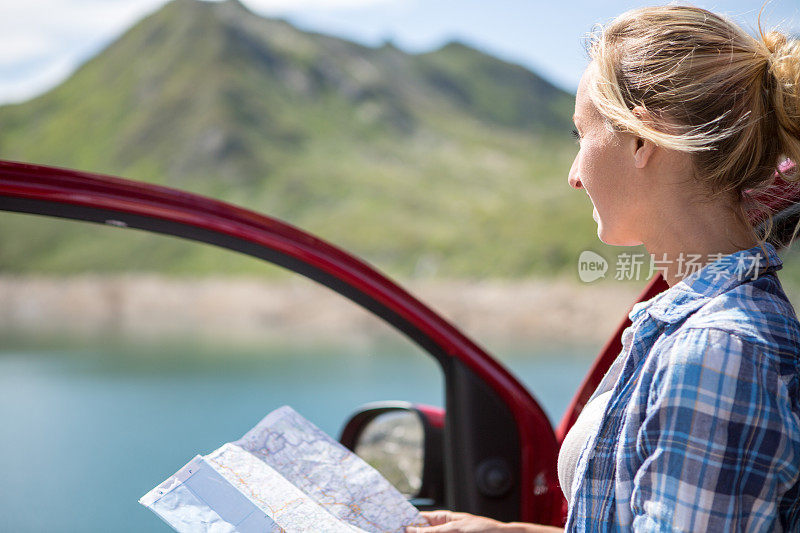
{"x": 576, "y": 135}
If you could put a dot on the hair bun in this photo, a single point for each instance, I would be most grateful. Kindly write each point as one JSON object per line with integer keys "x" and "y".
{"x": 784, "y": 60}
{"x": 774, "y": 41}
{"x": 784, "y": 64}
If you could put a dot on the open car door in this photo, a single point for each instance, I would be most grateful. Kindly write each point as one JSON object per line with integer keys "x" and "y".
{"x": 499, "y": 449}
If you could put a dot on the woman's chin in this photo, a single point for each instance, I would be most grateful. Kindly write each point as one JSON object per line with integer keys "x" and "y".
{"x": 610, "y": 239}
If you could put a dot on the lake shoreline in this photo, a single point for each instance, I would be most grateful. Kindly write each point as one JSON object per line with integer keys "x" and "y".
{"x": 494, "y": 313}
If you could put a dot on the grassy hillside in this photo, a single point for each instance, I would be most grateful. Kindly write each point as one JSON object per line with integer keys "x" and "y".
{"x": 449, "y": 163}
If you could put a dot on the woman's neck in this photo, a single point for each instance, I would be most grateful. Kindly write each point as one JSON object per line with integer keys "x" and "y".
{"x": 694, "y": 234}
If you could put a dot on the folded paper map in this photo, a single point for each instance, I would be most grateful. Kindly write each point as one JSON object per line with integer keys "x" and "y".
{"x": 284, "y": 475}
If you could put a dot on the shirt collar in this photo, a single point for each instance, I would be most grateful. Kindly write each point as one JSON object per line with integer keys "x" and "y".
{"x": 692, "y": 292}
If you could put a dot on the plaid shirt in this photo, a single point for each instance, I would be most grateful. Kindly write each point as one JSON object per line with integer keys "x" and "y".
{"x": 702, "y": 431}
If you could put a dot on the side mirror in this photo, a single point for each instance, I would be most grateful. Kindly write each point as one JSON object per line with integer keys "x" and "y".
{"x": 402, "y": 441}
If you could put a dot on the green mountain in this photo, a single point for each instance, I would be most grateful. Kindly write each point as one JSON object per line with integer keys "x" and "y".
{"x": 448, "y": 163}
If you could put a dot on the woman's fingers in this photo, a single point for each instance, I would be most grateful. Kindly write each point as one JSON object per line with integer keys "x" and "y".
{"x": 447, "y": 527}
{"x": 437, "y": 518}
{"x": 431, "y": 529}
{"x": 450, "y": 522}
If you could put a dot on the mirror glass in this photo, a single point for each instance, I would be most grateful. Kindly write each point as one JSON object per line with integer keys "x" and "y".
{"x": 393, "y": 443}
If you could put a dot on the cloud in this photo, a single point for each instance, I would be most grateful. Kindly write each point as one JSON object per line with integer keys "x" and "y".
{"x": 35, "y": 80}
{"x": 43, "y": 41}
{"x": 19, "y": 47}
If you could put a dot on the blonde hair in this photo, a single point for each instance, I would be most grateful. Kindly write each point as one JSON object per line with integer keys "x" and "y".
{"x": 730, "y": 99}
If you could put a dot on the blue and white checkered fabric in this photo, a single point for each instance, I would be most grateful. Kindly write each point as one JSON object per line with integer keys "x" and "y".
{"x": 702, "y": 431}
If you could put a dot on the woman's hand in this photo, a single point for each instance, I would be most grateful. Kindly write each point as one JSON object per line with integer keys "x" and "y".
{"x": 450, "y": 522}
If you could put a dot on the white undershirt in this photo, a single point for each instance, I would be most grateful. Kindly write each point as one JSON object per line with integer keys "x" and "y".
{"x": 584, "y": 427}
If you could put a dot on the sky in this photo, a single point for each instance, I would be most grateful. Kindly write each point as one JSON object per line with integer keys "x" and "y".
{"x": 43, "y": 41}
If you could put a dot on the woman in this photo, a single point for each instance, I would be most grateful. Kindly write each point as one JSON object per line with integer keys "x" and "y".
{"x": 681, "y": 116}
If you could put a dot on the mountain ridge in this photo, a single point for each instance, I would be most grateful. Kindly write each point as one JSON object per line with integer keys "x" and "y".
{"x": 450, "y": 159}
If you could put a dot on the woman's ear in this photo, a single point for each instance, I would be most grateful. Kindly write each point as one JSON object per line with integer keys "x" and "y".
{"x": 643, "y": 152}
{"x": 643, "y": 148}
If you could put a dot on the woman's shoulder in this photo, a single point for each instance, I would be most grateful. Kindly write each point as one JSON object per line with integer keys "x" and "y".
{"x": 757, "y": 311}
{"x": 742, "y": 338}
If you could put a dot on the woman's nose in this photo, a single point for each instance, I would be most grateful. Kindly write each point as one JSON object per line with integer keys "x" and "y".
{"x": 574, "y": 180}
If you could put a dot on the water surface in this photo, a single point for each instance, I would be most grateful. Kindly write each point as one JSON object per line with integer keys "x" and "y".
{"x": 88, "y": 431}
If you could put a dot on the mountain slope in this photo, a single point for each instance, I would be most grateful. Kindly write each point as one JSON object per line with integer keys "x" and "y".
{"x": 446, "y": 163}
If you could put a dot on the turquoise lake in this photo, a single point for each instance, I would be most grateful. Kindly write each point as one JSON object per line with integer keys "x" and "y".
{"x": 86, "y": 432}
